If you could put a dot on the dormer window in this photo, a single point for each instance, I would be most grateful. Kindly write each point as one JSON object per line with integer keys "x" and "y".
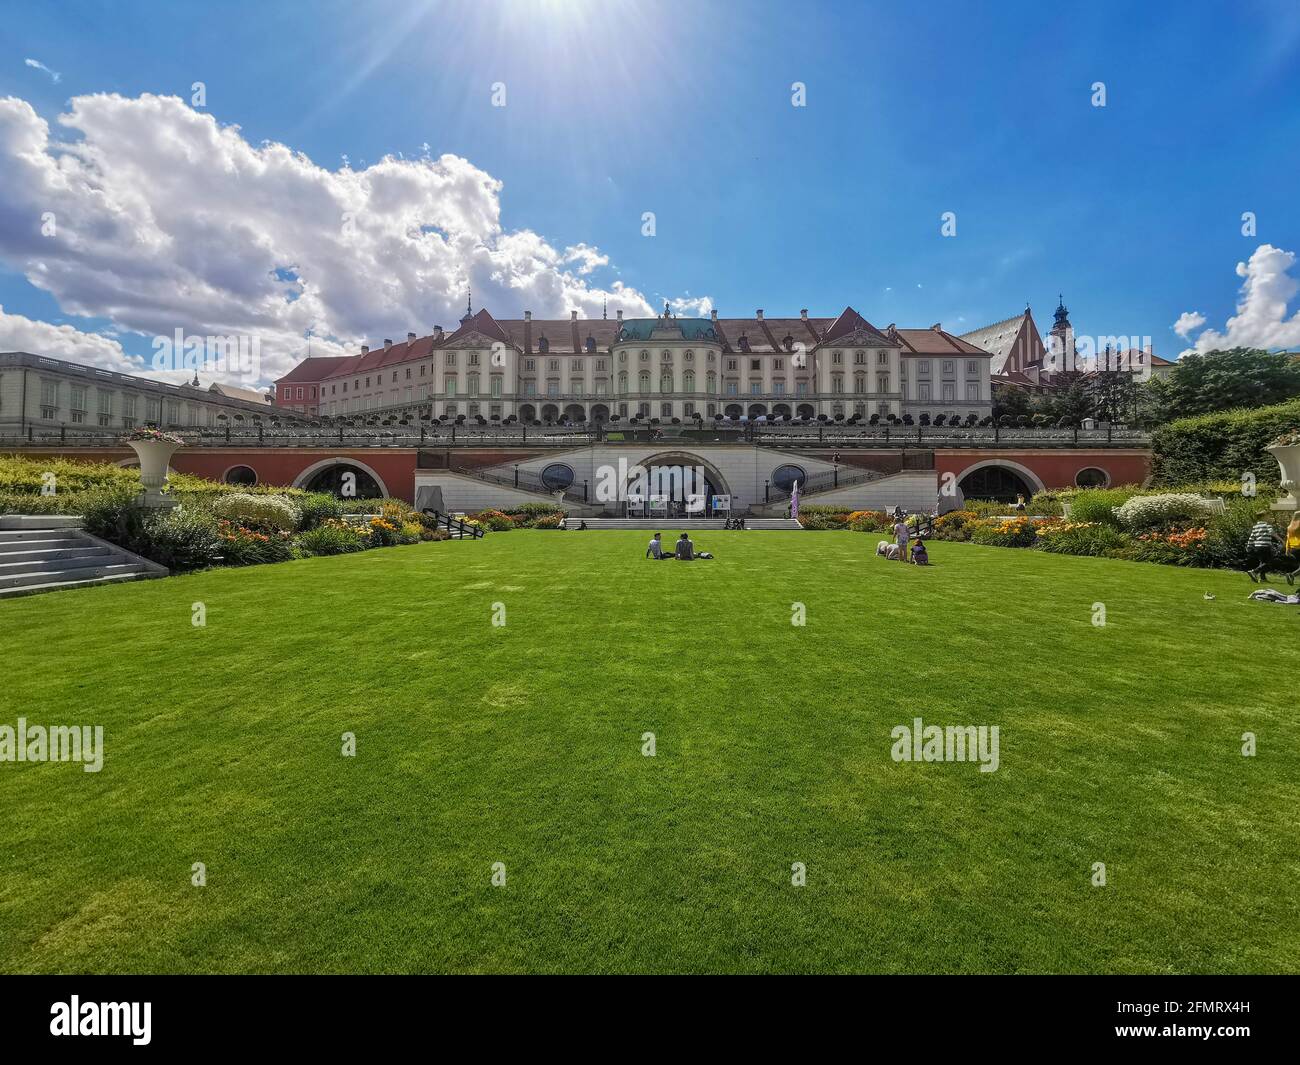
{"x": 543, "y": 345}
{"x": 591, "y": 343}
{"x": 743, "y": 342}
{"x": 788, "y": 342}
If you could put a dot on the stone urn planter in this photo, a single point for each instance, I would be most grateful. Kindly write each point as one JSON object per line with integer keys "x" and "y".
{"x": 1287, "y": 452}
{"x": 154, "y": 448}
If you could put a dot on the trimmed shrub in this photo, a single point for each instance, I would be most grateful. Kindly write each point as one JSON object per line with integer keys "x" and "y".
{"x": 955, "y": 525}
{"x": 1222, "y": 446}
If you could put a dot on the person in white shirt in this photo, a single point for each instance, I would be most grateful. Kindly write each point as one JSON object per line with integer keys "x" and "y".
{"x": 655, "y": 549}
{"x": 900, "y": 537}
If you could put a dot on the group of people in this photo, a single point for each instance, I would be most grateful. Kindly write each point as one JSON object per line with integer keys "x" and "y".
{"x": 1267, "y": 551}
{"x": 903, "y": 538}
{"x": 684, "y": 551}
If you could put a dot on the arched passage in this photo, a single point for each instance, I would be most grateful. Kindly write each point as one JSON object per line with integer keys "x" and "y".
{"x": 328, "y": 476}
{"x": 999, "y": 479}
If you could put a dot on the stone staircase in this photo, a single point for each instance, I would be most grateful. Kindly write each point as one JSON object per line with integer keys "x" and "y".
{"x": 667, "y": 525}
{"x": 47, "y": 554}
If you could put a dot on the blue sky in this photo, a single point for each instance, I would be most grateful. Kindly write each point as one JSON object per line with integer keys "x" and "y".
{"x": 1133, "y": 210}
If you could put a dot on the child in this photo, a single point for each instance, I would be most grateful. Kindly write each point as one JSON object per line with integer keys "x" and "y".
{"x": 1260, "y": 545}
{"x": 919, "y": 555}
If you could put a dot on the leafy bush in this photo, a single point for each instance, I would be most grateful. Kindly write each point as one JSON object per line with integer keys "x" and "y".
{"x": 241, "y": 546}
{"x": 548, "y": 521}
{"x": 955, "y": 525}
{"x": 181, "y": 539}
{"x": 1098, "y": 504}
{"x": 1003, "y": 532}
{"x": 1082, "y": 538}
{"x": 383, "y": 533}
{"x": 821, "y": 521}
{"x": 1160, "y": 511}
{"x": 1226, "y": 535}
{"x": 1222, "y": 446}
{"x": 868, "y": 520}
{"x": 494, "y": 520}
{"x": 317, "y": 508}
{"x": 334, "y": 537}
{"x": 985, "y": 508}
{"x": 266, "y": 512}
{"x": 410, "y": 532}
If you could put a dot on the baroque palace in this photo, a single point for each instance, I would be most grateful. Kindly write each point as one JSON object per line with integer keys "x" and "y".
{"x": 589, "y": 370}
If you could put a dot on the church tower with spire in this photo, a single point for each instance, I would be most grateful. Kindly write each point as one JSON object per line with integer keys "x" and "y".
{"x": 1062, "y": 354}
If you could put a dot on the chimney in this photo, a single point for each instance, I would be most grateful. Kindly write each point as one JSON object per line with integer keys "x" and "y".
{"x": 528, "y": 331}
{"x": 437, "y": 334}
{"x": 714, "y": 314}
{"x": 365, "y": 349}
{"x": 759, "y": 314}
{"x": 410, "y": 337}
{"x": 387, "y": 343}
{"x": 803, "y": 314}
{"x": 620, "y": 316}
{"x": 573, "y": 316}
{"x": 937, "y": 326}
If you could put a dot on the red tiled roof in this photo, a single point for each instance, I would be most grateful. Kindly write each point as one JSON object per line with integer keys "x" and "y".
{"x": 936, "y": 341}
{"x": 316, "y": 368}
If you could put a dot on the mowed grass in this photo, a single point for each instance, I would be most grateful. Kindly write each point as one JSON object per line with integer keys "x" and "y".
{"x": 522, "y": 744}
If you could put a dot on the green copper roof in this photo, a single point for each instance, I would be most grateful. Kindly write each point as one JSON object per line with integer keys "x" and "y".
{"x": 692, "y": 328}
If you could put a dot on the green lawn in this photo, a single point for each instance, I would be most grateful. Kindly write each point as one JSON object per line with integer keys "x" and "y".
{"x": 522, "y": 744}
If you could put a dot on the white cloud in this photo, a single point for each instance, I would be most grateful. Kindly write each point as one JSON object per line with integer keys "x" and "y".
{"x": 587, "y": 257}
{"x": 18, "y": 333}
{"x": 165, "y": 219}
{"x": 1261, "y": 320}
{"x": 1187, "y": 322}
{"x": 36, "y": 64}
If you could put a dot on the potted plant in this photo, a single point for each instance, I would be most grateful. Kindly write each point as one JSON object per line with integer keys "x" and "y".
{"x": 1286, "y": 449}
{"x": 154, "y": 448}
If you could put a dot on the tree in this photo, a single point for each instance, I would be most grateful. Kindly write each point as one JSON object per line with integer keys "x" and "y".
{"x": 1203, "y": 383}
{"x": 1008, "y": 399}
{"x": 1071, "y": 403}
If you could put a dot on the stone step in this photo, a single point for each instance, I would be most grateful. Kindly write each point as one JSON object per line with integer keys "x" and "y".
{"x": 61, "y": 585}
{"x": 37, "y": 565}
{"x": 11, "y": 536}
{"x": 62, "y": 542}
{"x": 10, "y": 522}
{"x": 75, "y": 549}
{"x": 54, "y": 575}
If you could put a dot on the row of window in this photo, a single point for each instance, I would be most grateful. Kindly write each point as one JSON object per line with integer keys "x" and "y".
{"x": 108, "y": 407}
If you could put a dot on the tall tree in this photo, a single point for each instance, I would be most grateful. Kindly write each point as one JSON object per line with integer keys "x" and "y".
{"x": 1222, "y": 380}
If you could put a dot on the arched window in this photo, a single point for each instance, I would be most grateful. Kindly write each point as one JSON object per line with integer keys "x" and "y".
{"x": 665, "y": 382}
{"x": 711, "y": 381}
{"x": 785, "y": 476}
{"x": 1092, "y": 477}
{"x": 622, "y": 382}
{"x": 241, "y": 475}
{"x": 643, "y": 381}
{"x": 688, "y": 381}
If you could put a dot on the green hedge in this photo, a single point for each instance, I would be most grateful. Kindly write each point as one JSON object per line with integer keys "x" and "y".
{"x": 1222, "y": 446}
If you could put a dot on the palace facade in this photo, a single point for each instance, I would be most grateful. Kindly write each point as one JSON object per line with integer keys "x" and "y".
{"x": 590, "y": 370}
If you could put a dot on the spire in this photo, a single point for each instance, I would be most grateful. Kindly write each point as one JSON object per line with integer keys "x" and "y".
{"x": 604, "y": 308}
{"x": 469, "y": 301}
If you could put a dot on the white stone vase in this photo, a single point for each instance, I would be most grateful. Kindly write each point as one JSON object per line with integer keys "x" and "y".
{"x": 1288, "y": 458}
{"x": 154, "y": 455}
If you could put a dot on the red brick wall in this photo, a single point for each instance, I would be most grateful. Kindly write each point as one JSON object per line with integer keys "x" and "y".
{"x": 1056, "y": 469}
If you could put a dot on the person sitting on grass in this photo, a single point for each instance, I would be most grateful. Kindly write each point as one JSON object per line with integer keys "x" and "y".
{"x": 1260, "y": 547}
{"x": 685, "y": 549}
{"x": 655, "y": 550}
{"x": 920, "y": 557}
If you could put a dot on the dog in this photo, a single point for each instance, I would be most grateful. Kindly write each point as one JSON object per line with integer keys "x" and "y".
{"x": 888, "y": 549}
